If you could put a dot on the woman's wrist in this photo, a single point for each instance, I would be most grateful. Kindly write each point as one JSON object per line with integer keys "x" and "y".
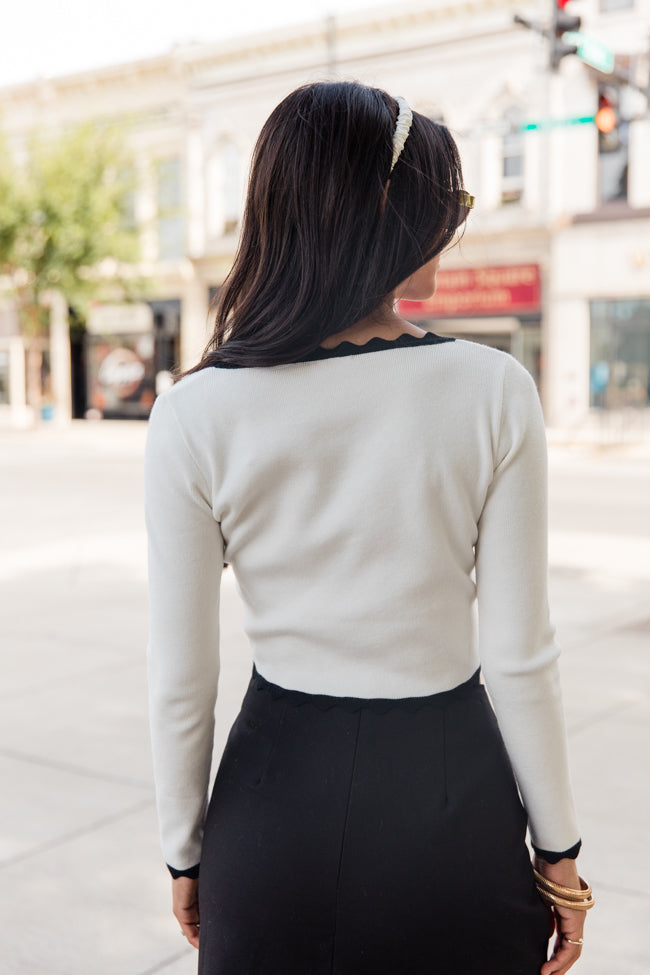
{"x": 563, "y": 872}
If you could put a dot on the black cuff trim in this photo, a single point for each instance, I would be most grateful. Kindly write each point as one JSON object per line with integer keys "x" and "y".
{"x": 552, "y": 857}
{"x": 191, "y": 872}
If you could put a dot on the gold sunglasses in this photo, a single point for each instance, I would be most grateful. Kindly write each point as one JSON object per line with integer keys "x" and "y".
{"x": 465, "y": 203}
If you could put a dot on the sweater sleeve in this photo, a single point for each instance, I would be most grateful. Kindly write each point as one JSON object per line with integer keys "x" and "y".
{"x": 519, "y": 655}
{"x": 185, "y": 553}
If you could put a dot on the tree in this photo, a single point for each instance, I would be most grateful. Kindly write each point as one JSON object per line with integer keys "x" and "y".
{"x": 10, "y": 209}
{"x": 63, "y": 212}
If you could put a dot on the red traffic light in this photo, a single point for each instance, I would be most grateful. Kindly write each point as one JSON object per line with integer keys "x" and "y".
{"x": 562, "y": 3}
{"x": 606, "y": 116}
{"x": 606, "y": 119}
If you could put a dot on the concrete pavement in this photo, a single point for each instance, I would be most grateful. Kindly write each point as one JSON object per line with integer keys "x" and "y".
{"x": 82, "y": 886}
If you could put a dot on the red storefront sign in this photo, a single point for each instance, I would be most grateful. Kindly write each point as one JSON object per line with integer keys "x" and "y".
{"x": 509, "y": 289}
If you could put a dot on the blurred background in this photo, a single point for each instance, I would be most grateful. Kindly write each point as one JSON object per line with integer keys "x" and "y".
{"x": 122, "y": 186}
{"x": 125, "y": 139}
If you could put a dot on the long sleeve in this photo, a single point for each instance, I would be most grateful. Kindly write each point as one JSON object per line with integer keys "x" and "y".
{"x": 185, "y": 549}
{"x": 516, "y": 639}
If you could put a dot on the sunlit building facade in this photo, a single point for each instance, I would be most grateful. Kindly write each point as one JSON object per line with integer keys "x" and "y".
{"x": 554, "y": 265}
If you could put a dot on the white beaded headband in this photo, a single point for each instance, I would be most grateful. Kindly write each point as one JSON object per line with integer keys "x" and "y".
{"x": 402, "y": 128}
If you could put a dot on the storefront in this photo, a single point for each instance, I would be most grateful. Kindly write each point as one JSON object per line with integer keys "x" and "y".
{"x": 498, "y": 306}
{"x": 619, "y": 373}
{"x": 130, "y": 352}
{"x": 599, "y": 325}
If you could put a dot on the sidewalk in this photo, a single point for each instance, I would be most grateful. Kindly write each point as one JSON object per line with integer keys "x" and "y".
{"x": 82, "y": 886}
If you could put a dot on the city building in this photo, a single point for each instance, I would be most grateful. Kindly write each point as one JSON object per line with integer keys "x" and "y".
{"x": 554, "y": 264}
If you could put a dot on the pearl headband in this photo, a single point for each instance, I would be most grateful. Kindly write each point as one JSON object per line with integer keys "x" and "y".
{"x": 402, "y": 128}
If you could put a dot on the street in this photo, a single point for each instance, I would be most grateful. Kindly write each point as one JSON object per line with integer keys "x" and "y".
{"x": 82, "y": 883}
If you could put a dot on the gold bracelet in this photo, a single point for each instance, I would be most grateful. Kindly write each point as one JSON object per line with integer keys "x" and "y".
{"x": 575, "y": 905}
{"x": 568, "y": 892}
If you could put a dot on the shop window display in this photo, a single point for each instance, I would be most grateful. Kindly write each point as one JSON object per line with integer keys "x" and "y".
{"x": 620, "y": 354}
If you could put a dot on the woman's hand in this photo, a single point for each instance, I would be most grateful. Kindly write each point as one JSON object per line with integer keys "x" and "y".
{"x": 568, "y": 923}
{"x": 185, "y": 903}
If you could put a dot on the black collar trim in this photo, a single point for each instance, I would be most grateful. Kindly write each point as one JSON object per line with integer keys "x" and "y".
{"x": 376, "y": 344}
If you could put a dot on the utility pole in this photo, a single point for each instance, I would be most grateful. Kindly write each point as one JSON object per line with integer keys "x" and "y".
{"x": 562, "y": 23}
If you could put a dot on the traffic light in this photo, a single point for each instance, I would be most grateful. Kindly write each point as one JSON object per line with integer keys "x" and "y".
{"x": 613, "y": 127}
{"x": 562, "y": 24}
{"x": 608, "y": 119}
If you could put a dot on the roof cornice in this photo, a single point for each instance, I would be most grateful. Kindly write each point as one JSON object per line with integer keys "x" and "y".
{"x": 187, "y": 62}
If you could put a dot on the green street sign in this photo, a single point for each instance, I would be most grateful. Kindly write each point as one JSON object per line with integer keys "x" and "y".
{"x": 591, "y": 51}
{"x": 553, "y": 123}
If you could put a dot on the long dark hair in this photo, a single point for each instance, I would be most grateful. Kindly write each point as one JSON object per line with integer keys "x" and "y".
{"x": 321, "y": 243}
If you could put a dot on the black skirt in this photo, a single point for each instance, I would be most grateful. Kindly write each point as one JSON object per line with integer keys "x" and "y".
{"x": 349, "y": 836}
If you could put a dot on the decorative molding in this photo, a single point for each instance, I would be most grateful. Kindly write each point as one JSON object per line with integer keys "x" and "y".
{"x": 189, "y": 63}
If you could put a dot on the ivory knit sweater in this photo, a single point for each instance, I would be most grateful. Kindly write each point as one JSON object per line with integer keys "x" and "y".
{"x": 383, "y": 508}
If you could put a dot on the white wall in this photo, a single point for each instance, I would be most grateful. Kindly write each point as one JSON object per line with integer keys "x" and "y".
{"x": 639, "y": 165}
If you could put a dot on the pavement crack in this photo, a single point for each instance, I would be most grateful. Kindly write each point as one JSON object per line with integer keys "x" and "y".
{"x": 64, "y": 679}
{"x": 75, "y": 834}
{"x": 75, "y": 769}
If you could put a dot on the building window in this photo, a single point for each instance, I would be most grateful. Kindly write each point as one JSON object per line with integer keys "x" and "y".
{"x": 620, "y": 354}
{"x": 512, "y": 157}
{"x": 224, "y": 178}
{"x": 607, "y": 5}
{"x": 171, "y": 215}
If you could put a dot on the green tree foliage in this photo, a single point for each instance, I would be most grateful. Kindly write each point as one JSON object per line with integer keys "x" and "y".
{"x": 62, "y": 213}
{"x": 11, "y": 215}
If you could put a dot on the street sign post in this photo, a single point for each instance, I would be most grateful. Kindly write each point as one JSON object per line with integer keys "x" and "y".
{"x": 591, "y": 51}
